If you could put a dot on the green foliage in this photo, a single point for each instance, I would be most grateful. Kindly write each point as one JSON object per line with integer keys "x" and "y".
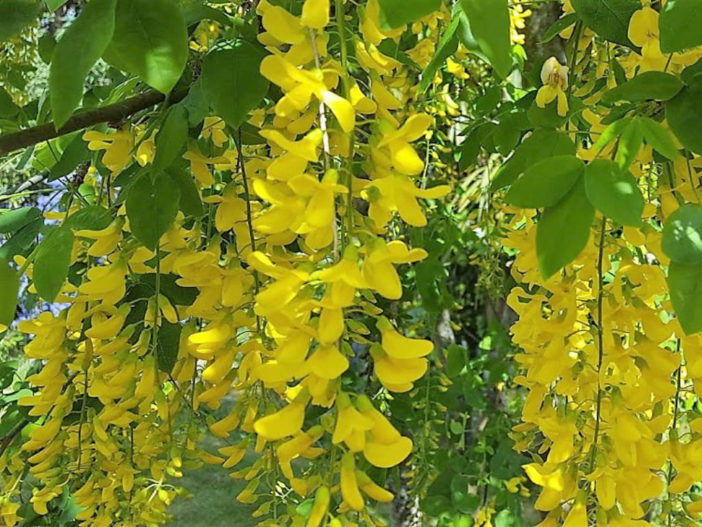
{"x": 9, "y": 293}
{"x": 563, "y": 230}
{"x": 92, "y": 218}
{"x": 488, "y": 23}
{"x": 658, "y": 137}
{"x": 15, "y": 219}
{"x": 150, "y": 41}
{"x": 682, "y": 235}
{"x": 74, "y": 153}
{"x": 684, "y": 113}
{"x": 189, "y": 201}
{"x": 76, "y": 53}
{"x": 650, "y": 85}
{"x": 546, "y": 182}
{"x": 22, "y": 228}
{"x": 152, "y": 205}
{"x": 397, "y": 13}
{"x": 679, "y": 24}
{"x": 52, "y": 262}
{"x": 53, "y": 5}
{"x": 15, "y": 15}
{"x": 630, "y": 143}
{"x": 167, "y": 349}
{"x": 685, "y": 284}
{"x": 614, "y": 192}
{"x": 540, "y": 145}
{"x": 608, "y": 18}
{"x": 171, "y": 138}
{"x": 232, "y": 82}
{"x": 447, "y": 46}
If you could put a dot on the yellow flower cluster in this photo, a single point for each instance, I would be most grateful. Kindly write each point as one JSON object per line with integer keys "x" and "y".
{"x": 610, "y": 373}
{"x": 282, "y": 275}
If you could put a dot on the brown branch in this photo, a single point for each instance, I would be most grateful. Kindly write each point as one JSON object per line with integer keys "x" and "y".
{"x": 83, "y": 119}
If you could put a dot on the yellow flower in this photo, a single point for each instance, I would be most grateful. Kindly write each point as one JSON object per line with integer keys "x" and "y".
{"x": 199, "y": 166}
{"x": 399, "y": 346}
{"x": 118, "y": 147}
{"x": 315, "y": 13}
{"x": 644, "y": 32}
{"x": 300, "y": 85}
{"x": 397, "y": 142}
{"x": 349, "y": 484}
{"x": 555, "y": 79}
{"x": 281, "y": 25}
{"x": 213, "y": 128}
{"x": 319, "y": 508}
{"x": 397, "y": 193}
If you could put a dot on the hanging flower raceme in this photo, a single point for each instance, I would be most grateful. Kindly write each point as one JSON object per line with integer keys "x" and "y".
{"x": 259, "y": 297}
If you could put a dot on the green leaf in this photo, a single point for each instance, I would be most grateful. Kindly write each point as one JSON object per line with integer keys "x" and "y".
{"x": 610, "y": 133}
{"x": 505, "y": 518}
{"x": 168, "y": 344}
{"x": 76, "y": 53}
{"x": 8, "y": 108}
{"x": 563, "y": 230}
{"x": 94, "y": 218}
{"x": 250, "y": 135}
{"x": 679, "y": 25}
{"x": 152, "y": 205}
{"x": 541, "y": 144}
{"x": 172, "y": 137}
{"x": 177, "y": 294}
{"x": 74, "y": 153}
{"x": 15, "y": 15}
{"x": 13, "y": 220}
{"x": 447, "y": 47}
{"x": 232, "y": 81}
{"x": 196, "y": 104}
{"x": 150, "y": 41}
{"x": 685, "y": 285}
{"x": 68, "y": 507}
{"x": 651, "y": 85}
{"x": 509, "y": 131}
{"x": 52, "y": 262}
{"x": 684, "y": 115}
{"x": 545, "y": 182}
{"x": 614, "y": 192}
{"x": 12, "y": 418}
{"x": 659, "y": 138}
{"x": 22, "y": 240}
{"x": 490, "y": 26}
{"x": 194, "y": 12}
{"x": 682, "y": 235}
{"x": 558, "y": 26}
{"x": 9, "y": 291}
{"x": 397, "y": 13}
{"x": 629, "y": 143}
{"x": 190, "y": 201}
{"x": 455, "y": 360}
{"x": 53, "y": 5}
{"x": 470, "y": 149}
{"x": 548, "y": 117}
{"x": 45, "y": 47}
{"x": 608, "y": 18}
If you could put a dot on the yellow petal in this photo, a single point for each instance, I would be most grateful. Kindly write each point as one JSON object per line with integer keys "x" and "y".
{"x": 283, "y": 423}
{"x": 342, "y": 110}
{"x": 386, "y": 456}
{"x": 315, "y": 13}
{"x": 328, "y": 362}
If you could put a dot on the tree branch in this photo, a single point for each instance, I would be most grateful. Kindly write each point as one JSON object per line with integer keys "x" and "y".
{"x": 84, "y": 119}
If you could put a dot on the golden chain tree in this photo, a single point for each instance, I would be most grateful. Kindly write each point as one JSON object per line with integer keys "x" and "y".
{"x": 238, "y": 243}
